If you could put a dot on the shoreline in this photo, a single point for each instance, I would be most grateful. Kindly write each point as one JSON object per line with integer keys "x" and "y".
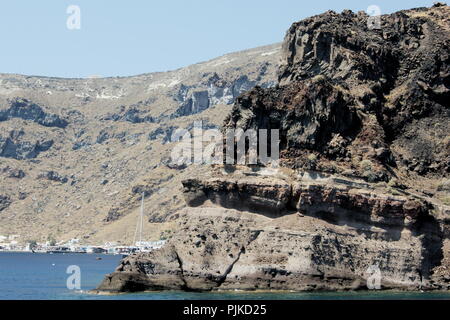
{"x": 256, "y": 292}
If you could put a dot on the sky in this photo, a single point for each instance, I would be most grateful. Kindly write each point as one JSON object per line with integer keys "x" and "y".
{"x": 124, "y": 38}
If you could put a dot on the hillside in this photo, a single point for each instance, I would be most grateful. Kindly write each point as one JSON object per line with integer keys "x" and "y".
{"x": 75, "y": 154}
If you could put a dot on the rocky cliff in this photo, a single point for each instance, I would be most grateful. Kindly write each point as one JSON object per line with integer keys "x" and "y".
{"x": 348, "y": 94}
{"x": 364, "y": 118}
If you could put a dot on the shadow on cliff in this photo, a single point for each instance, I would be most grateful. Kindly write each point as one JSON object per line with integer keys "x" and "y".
{"x": 362, "y": 223}
{"x": 431, "y": 236}
{"x": 426, "y": 228}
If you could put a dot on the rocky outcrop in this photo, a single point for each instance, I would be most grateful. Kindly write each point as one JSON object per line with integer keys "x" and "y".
{"x": 164, "y": 134}
{"x": 312, "y": 232}
{"x": 225, "y": 249}
{"x": 256, "y": 196}
{"x": 18, "y": 145}
{"x": 275, "y": 198}
{"x": 13, "y": 172}
{"x": 132, "y": 114}
{"x": 53, "y": 176}
{"x": 198, "y": 102}
{"x": 5, "y": 201}
{"x": 310, "y": 115}
{"x": 27, "y": 110}
{"x": 217, "y": 91}
{"x": 348, "y": 93}
{"x": 344, "y": 208}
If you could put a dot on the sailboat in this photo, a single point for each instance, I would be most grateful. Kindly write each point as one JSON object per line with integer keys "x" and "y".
{"x": 140, "y": 245}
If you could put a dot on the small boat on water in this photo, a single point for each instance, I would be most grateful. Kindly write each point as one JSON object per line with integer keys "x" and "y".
{"x": 58, "y": 249}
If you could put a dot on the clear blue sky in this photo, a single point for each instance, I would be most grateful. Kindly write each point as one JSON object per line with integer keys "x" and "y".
{"x": 120, "y": 38}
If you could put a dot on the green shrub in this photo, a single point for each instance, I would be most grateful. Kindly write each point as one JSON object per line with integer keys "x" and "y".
{"x": 366, "y": 165}
{"x": 446, "y": 201}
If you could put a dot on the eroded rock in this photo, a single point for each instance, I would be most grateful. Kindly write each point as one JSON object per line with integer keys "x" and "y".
{"x": 350, "y": 100}
{"x": 5, "y": 201}
{"x": 19, "y": 145}
{"x": 27, "y": 110}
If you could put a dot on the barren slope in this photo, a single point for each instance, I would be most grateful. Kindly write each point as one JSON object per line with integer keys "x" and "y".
{"x": 75, "y": 154}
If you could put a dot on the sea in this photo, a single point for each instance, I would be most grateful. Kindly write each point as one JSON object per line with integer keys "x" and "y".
{"x": 39, "y": 276}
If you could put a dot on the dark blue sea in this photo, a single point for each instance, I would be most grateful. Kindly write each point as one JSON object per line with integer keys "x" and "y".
{"x": 43, "y": 276}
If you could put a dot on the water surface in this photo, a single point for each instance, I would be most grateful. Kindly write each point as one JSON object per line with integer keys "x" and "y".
{"x": 43, "y": 276}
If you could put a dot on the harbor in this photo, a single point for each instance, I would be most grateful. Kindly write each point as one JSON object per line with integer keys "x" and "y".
{"x": 11, "y": 243}
{"x": 70, "y": 247}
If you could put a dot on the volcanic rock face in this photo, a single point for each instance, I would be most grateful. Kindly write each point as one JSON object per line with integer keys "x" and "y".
{"x": 256, "y": 196}
{"x": 352, "y": 94}
{"x": 5, "y": 201}
{"x": 217, "y": 91}
{"x": 279, "y": 197}
{"x": 26, "y": 110}
{"x": 17, "y": 144}
{"x": 341, "y": 230}
{"x": 347, "y": 103}
{"x": 309, "y": 113}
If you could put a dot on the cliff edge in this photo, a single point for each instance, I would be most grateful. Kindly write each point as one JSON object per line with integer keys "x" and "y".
{"x": 363, "y": 190}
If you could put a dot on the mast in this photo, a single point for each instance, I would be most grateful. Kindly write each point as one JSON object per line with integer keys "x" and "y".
{"x": 135, "y": 232}
{"x": 139, "y": 223}
{"x": 142, "y": 217}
